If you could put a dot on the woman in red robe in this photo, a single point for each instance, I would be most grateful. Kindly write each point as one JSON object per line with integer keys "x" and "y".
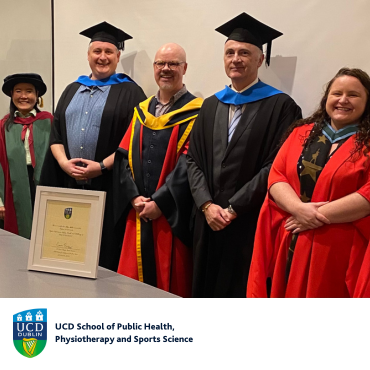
{"x": 314, "y": 227}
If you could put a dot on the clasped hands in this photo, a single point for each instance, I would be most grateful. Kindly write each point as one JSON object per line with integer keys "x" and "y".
{"x": 147, "y": 208}
{"x": 306, "y": 217}
{"x": 217, "y": 217}
{"x": 81, "y": 169}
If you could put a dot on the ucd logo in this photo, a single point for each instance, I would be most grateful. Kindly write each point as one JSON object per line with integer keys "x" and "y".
{"x": 30, "y": 331}
{"x": 68, "y": 213}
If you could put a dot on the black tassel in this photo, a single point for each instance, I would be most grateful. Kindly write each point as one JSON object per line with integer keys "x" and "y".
{"x": 268, "y": 53}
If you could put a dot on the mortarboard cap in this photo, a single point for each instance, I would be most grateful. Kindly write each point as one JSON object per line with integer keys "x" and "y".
{"x": 245, "y": 28}
{"x": 105, "y": 32}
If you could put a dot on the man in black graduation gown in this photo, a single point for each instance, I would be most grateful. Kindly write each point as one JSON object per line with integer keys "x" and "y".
{"x": 92, "y": 116}
{"x": 233, "y": 144}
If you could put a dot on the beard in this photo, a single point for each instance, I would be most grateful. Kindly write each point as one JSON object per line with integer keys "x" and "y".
{"x": 166, "y": 85}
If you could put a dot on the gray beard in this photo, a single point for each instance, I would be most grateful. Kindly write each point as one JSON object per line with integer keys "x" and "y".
{"x": 166, "y": 86}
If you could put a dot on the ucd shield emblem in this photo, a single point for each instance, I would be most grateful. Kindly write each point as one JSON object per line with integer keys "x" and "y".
{"x": 30, "y": 331}
{"x": 68, "y": 213}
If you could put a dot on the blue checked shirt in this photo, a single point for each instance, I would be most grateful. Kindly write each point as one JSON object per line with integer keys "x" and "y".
{"x": 83, "y": 119}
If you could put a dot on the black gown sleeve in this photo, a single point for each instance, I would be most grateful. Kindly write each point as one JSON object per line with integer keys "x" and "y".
{"x": 252, "y": 194}
{"x": 51, "y": 173}
{"x": 175, "y": 201}
{"x": 56, "y": 129}
{"x": 124, "y": 187}
{"x": 136, "y": 97}
{"x": 194, "y": 159}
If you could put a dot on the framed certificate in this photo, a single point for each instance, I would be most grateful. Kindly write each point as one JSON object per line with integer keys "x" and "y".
{"x": 66, "y": 231}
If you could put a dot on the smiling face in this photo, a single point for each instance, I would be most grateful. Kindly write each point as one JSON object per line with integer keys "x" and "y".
{"x": 168, "y": 79}
{"x": 346, "y": 101}
{"x": 103, "y": 58}
{"x": 24, "y": 97}
{"x": 241, "y": 62}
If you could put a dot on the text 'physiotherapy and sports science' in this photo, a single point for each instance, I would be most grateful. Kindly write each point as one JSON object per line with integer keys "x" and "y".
{"x": 109, "y": 334}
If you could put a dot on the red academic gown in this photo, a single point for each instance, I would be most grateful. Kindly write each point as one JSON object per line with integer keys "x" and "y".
{"x": 10, "y": 222}
{"x": 330, "y": 261}
{"x": 172, "y": 257}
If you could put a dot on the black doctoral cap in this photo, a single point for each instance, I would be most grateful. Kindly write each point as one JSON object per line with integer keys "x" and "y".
{"x": 105, "y": 32}
{"x": 31, "y": 78}
{"x": 245, "y": 28}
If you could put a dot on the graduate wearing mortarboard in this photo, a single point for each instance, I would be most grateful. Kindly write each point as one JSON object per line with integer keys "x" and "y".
{"x": 233, "y": 144}
{"x": 92, "y": 116}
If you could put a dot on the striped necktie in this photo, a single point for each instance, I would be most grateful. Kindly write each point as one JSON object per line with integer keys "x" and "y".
{"x": 234, "y": 121}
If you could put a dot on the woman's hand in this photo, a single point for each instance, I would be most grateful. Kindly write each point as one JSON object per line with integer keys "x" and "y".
{"x": 294, "y": 226}
{"x": 306, "y": 217}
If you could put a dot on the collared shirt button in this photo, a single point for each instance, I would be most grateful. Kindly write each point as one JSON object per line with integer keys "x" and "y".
{"x": 149, "y": 161}
{"x": 82, "y": 147}
{"x": 148, "y": 175}
{"x": 154, "y": 133}
{"x": 82, "y": 129}
{"x": 223, "y": 165}
{"x": 152, "y": 146}
{"x": 86, "y": 112}
{"x": 91, "y": 96}
{"x": 221, "y": 190}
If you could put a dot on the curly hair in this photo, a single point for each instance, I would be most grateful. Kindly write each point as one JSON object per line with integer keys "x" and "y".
{"x": 320, "y": 116}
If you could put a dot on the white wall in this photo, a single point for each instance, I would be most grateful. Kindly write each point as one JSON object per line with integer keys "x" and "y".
{"x": 25, "y": 30}
{"x": 319, "y": 38}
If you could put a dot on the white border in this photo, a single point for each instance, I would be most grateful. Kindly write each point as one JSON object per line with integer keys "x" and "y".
{"x": 89, "y": 268}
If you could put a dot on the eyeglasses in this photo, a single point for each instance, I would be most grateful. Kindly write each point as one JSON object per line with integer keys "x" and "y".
{"x": 171, "y": 65}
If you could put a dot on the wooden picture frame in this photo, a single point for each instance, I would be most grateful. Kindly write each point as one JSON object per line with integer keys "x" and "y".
{"x": 66, "y": 231}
